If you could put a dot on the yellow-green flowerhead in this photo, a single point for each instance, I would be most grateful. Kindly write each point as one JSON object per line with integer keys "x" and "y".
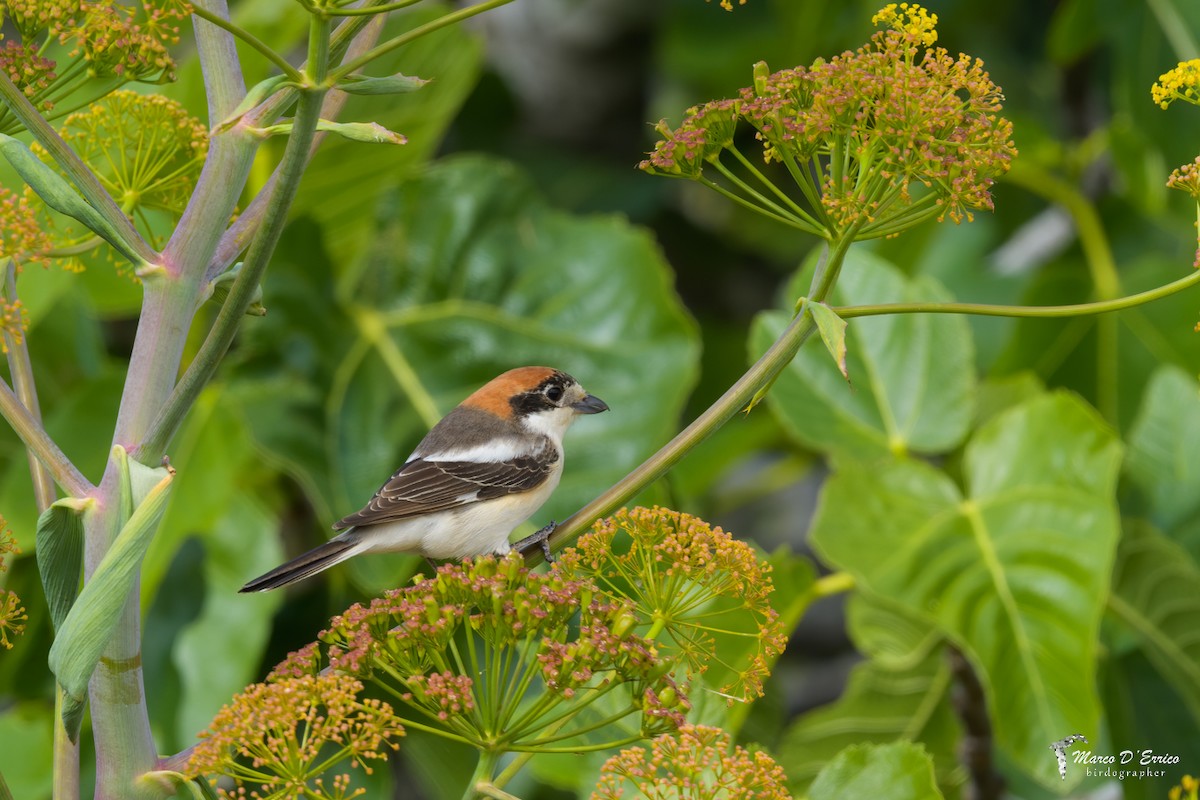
{"x": 877, "y": 139}
{"x": 1179, "y": 84}
{"x": 910, "y": 19}
{"x": 696, "y": 763}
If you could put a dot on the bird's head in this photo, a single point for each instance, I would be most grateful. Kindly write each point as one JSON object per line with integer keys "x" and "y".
{"x": 541, "y": 399}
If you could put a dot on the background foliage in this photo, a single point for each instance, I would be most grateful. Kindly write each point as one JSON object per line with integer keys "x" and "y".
{"x": 513, "y": 229}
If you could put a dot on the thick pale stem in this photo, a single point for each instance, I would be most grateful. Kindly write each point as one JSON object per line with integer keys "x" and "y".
{"x": 253, "y": 267}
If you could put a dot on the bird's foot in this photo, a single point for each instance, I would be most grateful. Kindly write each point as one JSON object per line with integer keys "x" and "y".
{"x": 540, "y": 539}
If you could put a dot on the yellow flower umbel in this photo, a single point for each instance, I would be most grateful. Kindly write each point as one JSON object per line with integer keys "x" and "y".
{"x": 876, "y": 140}
{"x": 689, "y": 583}
{"x": 911, "y": 20}
{"x": 1179, "y": 84}
{"x": 1186, "y": 790}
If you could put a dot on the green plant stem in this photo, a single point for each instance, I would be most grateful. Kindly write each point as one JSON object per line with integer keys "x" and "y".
{"x": 1106, "y": 282}
{"x": 35, "y": 438}
{"x": 78, "y": 173}
{"x": 1175, "y": 28}
{"x": 759, "y": 376}
{"x": 449, "y": 19}
{"x": 250, "y": 39}
{"x": 353, "y": 37}
{"x": 21, "y": 372}
{"x": 489, "y": 790}
{"x": 66, "y": 752}
{"x": 242, "y": 292}
{"x": 65, "y": 784}
{"x": 1033, "y": 312}
{"x": 831, "y": 584}
{"x": 483, "y": 773}
{"x": 370, "y": 9}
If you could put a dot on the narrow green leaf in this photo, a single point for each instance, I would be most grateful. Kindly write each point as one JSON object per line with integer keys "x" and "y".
{"x": 371, "y": 132}
{"x": 833, "y": 332}
{"x": 60, "y": 553}
{"x": 1154, "y": 595}
{"x": 92, "y": 619}
{"x": 897, "y": 771}
{"x": 61, "y": 196}
{"x": 389, "y": 84}
{"x": 1015, "y": 572}
{"x": 257, "y": 93}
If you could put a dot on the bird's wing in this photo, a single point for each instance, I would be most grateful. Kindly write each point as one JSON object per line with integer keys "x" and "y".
{"x": 424, "y": 487}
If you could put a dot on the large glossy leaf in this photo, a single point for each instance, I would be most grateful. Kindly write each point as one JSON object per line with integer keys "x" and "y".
{"x": 897, "y": 771}
{"x": 473, "y": 275}
{"x": 911, "y": 378}
{"x": 1015, "y": 571}
{"x": 1156, "y": 596}
{"x": 880, "y": 705}
{"x": 1164, "y": 446}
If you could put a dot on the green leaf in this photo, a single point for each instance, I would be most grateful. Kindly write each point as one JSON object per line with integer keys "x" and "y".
{"x": 896, "y": 771}
{"x": 60, "y": 553}
{"x": 833, "y": 332}
{"x": 916, "y": 383}
{"x": 388, "y": 84}
{"x": 218, "y": 289}
{"x": 472, "y": 275}
{"x": 1015, "y": 572}
{"x": 1164, "y": 446}
{"x": 880, "y": 705}
{"x": 371, "y": 132}
{"x": 1154, "y": 595}
{"x": 61, "y": 196}
{"x": 92, "y": 619}
{"x": 890, "y": 634}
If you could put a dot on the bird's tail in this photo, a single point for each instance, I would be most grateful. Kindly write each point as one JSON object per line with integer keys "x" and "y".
{"x": 319, "y": 558}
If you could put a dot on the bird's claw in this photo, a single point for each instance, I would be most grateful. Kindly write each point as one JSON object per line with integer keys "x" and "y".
{"x": 541, "y": 539}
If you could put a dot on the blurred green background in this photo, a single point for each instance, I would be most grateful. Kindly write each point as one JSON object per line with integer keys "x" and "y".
{"x": 514, "y": 228}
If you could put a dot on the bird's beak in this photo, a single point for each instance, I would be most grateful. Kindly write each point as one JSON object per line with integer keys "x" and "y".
{"x": 590, "y": 404}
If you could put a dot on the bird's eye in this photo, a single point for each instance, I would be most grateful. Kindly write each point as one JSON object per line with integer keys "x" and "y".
{"x": 554, "y": 393}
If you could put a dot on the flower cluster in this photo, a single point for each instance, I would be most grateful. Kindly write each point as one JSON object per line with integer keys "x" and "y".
{"x": 22, "y": 236}
{"x": 691, "y": 582}
{"x": 12, "y": 614}
{"x": 1188, "y": 789}
{"x": 147, "y": 152}
{"x": 83, "y": 50}
{"x": 917, "y": 24}
{"x": 1180, "y": 83}
{"x": 855, "y": 133}
{"x": 487, "y": 650}
{"x": 728, "y": 4}
{"x": 280, "y": 736}
{"x": 697, "y": 763}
